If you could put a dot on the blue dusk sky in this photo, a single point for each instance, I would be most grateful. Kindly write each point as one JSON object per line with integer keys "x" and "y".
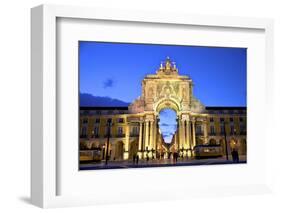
{"x": 168, "y": 124}
{"x": 116, "y": 70}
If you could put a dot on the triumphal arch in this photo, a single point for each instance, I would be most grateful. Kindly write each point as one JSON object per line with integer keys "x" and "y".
{"x": 135, "y": 129}
{"x": 168, "y": 89}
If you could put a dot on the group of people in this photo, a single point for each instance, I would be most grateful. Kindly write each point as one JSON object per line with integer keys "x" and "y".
{"x": 136, "y": 158}
{"x": 234, "y": 153}
{"x": 174, "y": 154}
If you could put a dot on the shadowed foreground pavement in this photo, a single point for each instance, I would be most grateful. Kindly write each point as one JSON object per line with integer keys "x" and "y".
{"x": 158, "y": 163}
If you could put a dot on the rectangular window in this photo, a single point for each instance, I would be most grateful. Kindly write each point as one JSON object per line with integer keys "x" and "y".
{"x": 135, "y": 130}
{"x": 198, "y": 130}
{"x": 120, "y": 131}
{"x": 107, "y": 131}
{"x": 84, "y": 132}
{"x": 212, "y": 130}
{"x": 221, "y": 119}
{"x": 222, "y": 129}
{"x": 98, "y": 120}
{"x": 242, "y": 129}
{"x": 231, "y": 129}
{"x": 241, "y": 119}
{"x": 231, "y": 119}
{"x": 85, "y": 113}
{"x": 85, "y": 121}
{"x": 96, "y": 131}
{"x": 211, "y": 119}
{"x": 120, "y": 120}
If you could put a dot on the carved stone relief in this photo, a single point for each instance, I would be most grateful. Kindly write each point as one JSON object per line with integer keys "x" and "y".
{"x": 161, "y": 86}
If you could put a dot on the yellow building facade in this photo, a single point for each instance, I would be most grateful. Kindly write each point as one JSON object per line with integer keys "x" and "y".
{"x": 134, "y": 130}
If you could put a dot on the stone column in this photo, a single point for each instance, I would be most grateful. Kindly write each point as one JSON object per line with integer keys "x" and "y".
{"x": 146, "y": 135}
{"x": 127, "y": 139}
{"x": 187, "y": 146}
{"x": 182, "y": 141}
{"x": 140, "y": 138}
{"x": 205, "y": 132}
{"x": 154, "y": 136}
{"x": 193, "y": 133}
{"x": 190, "y": 138}
{"x": 151, "y": 136}
{"x": 179, "y": 139}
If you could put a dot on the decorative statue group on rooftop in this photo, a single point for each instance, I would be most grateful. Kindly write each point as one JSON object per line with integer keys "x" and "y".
{"x": 168, "y": 68}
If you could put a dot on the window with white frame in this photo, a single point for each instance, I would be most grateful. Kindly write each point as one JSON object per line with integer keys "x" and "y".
{"x": 212, "y": 128}
{"x": 120, "y": 131}
{"x": 84, "y": 131}
{"x": 96, "y": 131}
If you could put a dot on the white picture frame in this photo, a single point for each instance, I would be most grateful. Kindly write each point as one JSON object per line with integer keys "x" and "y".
{"x": 44, "y": 148}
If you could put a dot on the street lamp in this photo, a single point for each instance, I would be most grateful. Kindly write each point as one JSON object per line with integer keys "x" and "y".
{"x": 226, "y": 150}
{"x": 109, "y": 124}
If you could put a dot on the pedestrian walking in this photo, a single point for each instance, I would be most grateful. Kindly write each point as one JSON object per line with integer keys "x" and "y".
{"x": 137, "y": 159}
{"x": 233, "y": 155}
{"x": 134, "y": 158}
{"x": 236, "y": 156}
{"x": 175, "y": 157}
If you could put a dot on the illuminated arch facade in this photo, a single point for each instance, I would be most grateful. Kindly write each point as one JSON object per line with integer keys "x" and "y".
{"x": 136, "y": 126}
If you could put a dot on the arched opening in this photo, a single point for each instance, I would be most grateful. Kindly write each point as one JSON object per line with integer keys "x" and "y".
{"x": 119, "y": 150}
{"x": 199, "y": 141}
{"x": 212, "y": 141}
{"x": 168, "y": 124}
{"x": 167, "y": 104}
{"x": 133, "y": 149}
{"x": 222, "y": 144}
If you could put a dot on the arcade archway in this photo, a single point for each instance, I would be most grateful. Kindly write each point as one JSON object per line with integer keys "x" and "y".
{"x": 119, "y": 150}
{"x": 133, "y": 149}
{"x": 168, "y": 124}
